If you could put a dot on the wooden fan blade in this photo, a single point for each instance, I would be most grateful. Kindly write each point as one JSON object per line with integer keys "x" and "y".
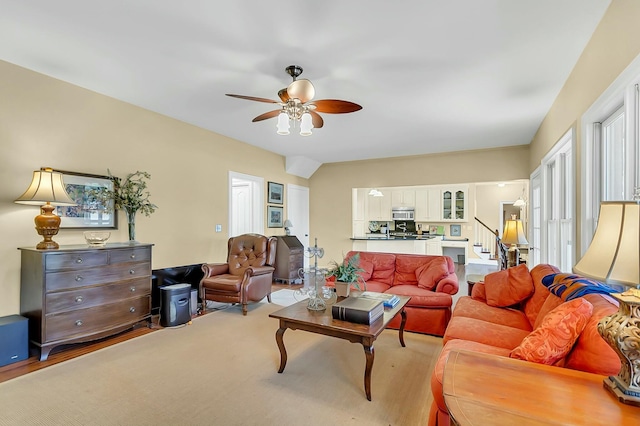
{"x": 316, "y": 120}
{"x": 336, "y": 106}
{"x": 266, "y": 115}
{"x": 253, "y": 98}
{"x": 284, "y": 96}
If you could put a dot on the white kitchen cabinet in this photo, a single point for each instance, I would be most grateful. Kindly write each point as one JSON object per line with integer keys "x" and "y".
{"x": 434, "y": 247}
{"x": 454, "y": 204}
{"x": 403, "y": 198}
{"x": 379, "y": 208}
{"x": 427, "y": 205}
{"x": 359, "y": 228}
{"x": 359, "y": 197}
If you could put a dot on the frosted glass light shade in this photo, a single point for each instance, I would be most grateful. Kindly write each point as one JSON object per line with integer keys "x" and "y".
{"x": 283, "y": 123}
{"x": 306, "y": 124}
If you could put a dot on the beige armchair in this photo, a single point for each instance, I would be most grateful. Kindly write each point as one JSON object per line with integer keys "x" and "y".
{"x": 247, "y": 275}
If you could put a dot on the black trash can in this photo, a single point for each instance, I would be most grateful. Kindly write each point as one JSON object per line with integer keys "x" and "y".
{"x": 174, "y": 305}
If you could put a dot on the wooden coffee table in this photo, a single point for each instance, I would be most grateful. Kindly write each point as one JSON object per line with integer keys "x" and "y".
{"x": 298, "y": 317}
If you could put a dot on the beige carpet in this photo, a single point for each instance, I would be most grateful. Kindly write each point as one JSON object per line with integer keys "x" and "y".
{"x": 222, "y": 370}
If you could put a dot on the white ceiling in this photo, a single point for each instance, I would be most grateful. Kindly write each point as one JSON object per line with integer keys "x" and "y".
{"x": 431, "y": 75}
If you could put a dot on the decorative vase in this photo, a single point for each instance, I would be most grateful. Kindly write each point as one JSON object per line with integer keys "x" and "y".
{"x": 131, "y": 222}
{"x": 343, "y": 289}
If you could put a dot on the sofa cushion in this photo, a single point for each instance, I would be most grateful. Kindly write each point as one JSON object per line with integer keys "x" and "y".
{"x": 472, "y": 308}
{"x": 592, "y": 353}
{"x": 457, "y": 345}
{"x": 431, "y": 273}
{"x": 570, "y": 286}
{"x": 557, "y": 333}
{"x": 485, "y": 332}
{"x": 532, "y": 305}
{"x": 549, "y": 304}
{"x": 377, "y": 286}
{"x": 508, "y": 287}
{"x": 421, "y": 297}
{"x": 367, "y": 267}
{"x": 384, "y": 265}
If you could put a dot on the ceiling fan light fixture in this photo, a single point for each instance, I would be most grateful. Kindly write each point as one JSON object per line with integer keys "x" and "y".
{"x": 306, "y": 124}
{"x": 283, "y": 123}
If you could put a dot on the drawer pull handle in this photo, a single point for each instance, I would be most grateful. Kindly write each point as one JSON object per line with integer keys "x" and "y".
{"x": 78, "y": 323}
{"x": 133, "y": 289}
{"x": 79, "y": 299}
{"x": 79, "y": 260}
{"x": 133, "y": 256}
{"x": 132, "y": 309}
{"x": 79, "y": 278}
{"x": 131, "y": 271}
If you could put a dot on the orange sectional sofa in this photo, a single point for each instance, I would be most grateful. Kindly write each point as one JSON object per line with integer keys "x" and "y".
{"x": 429, "y": 280}
{"x": 478, "y": 326}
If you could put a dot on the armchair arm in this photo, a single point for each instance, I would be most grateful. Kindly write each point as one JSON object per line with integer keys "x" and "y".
{"x": 448, "y": 285}
{"x": 253, "y": 271}
{"x": 211, "y": 269}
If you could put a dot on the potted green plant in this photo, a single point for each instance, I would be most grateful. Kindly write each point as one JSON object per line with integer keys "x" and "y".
{"x": 347, "y": 274}
{"x": 130, "y": 195}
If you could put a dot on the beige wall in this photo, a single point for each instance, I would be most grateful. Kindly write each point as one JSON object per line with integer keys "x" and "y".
{"x": 46, "y": 122}
{"x": 330, "y": 210}
{"x": 614, "y": 45}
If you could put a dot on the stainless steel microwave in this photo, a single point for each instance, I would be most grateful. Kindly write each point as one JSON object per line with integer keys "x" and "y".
{"x": 402, "y": 213}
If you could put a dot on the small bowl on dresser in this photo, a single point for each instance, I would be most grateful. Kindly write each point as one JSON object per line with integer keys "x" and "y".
{"x": 96, "y": 238}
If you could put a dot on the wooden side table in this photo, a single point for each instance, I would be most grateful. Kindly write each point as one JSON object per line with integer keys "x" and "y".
{"x": 482, "y": 389}
{"x": 473, "y": 279}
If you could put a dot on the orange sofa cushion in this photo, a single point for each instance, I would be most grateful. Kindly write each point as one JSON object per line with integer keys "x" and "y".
{"x": 431, "y": 273}
{"x": 508, "y": 287}
{"x": 558, "y": 331}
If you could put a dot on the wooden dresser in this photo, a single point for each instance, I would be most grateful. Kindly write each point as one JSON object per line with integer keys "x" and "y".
{"x": 76, "y": 293}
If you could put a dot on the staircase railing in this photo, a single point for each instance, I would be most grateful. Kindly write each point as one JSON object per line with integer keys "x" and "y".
{"x": 491, "y": 243}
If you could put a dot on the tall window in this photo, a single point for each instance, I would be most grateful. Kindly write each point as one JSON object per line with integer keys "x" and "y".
{"x": 610, "y": 154}
{"x": 556, "y": 228}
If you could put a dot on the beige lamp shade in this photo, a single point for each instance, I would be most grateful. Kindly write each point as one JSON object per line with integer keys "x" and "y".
{"x": 514, "y": 232}
{"x": 614, "y": 253}
{"x": 46, "y": 186}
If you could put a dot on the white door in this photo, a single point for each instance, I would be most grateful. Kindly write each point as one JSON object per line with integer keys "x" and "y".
{"x": 298, "y": 214}
{"x": 246, "y": 198}
{"x": 536, "y": 219}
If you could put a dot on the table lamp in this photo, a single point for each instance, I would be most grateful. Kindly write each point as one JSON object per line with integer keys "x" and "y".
{"x": 46, "y": 190}
{"x": 513, "y": 234}
{"x": 287, "y": 225}
{"x": 614, "y": 258}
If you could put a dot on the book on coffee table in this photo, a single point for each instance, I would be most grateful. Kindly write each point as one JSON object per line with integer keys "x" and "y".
{"x": 389, "y": 300}
{"x": 360, "y": 310}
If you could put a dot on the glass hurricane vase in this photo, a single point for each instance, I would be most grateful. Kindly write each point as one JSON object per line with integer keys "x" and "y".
{"x": 131, "y": 223}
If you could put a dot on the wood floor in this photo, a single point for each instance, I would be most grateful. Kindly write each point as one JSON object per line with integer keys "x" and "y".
{"x": 66, "y": 352}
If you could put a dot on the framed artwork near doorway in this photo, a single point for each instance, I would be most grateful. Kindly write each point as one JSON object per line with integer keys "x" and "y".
{"x": 275, "y": 193}
{"x": 274, "y": 217}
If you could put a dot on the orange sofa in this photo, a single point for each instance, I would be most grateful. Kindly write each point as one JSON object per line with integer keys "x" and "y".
{"x": 478, "y": 326}
{"x": 428, "y": 280}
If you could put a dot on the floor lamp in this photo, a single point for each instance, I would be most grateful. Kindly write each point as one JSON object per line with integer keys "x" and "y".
{"x": 614, "y": 258}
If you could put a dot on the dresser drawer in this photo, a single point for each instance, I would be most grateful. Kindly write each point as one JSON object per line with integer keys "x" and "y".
{"x": 84, "y": 322}
{"x": 57, "y": 281}
{"x": 86, "y": 297}
{"x": 76, "y": 260}
{"x": 138, "y": 254}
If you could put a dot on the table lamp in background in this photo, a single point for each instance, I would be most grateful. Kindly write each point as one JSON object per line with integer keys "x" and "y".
{"x": 513, "y": 234}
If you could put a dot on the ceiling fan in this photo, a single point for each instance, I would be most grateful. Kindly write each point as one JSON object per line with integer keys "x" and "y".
{"x": 296, "y": 105}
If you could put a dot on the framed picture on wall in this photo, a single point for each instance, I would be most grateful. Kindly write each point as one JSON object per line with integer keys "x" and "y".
{"x": 87, "y": 213}
{"x": 455, "y": 230}
{"x": 274, "y": 217}
{"x": 276, "y": 193}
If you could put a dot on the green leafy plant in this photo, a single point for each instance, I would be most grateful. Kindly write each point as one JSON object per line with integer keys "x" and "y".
{"x": 130, "y": 195}
{"x": 348, "y": 271}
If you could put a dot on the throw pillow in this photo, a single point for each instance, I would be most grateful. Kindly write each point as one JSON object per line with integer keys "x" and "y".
{"x": 430, "y": 274}
{"x": 557, "y": 333}
{"x": 508, "y": 287}
{"x": 367, "y": 265}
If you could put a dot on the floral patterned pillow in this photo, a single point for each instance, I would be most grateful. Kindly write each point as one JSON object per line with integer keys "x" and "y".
{"x": 553, "y": 339}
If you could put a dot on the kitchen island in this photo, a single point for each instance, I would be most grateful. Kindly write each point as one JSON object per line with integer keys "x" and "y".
{"x": 435, "y": 245}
